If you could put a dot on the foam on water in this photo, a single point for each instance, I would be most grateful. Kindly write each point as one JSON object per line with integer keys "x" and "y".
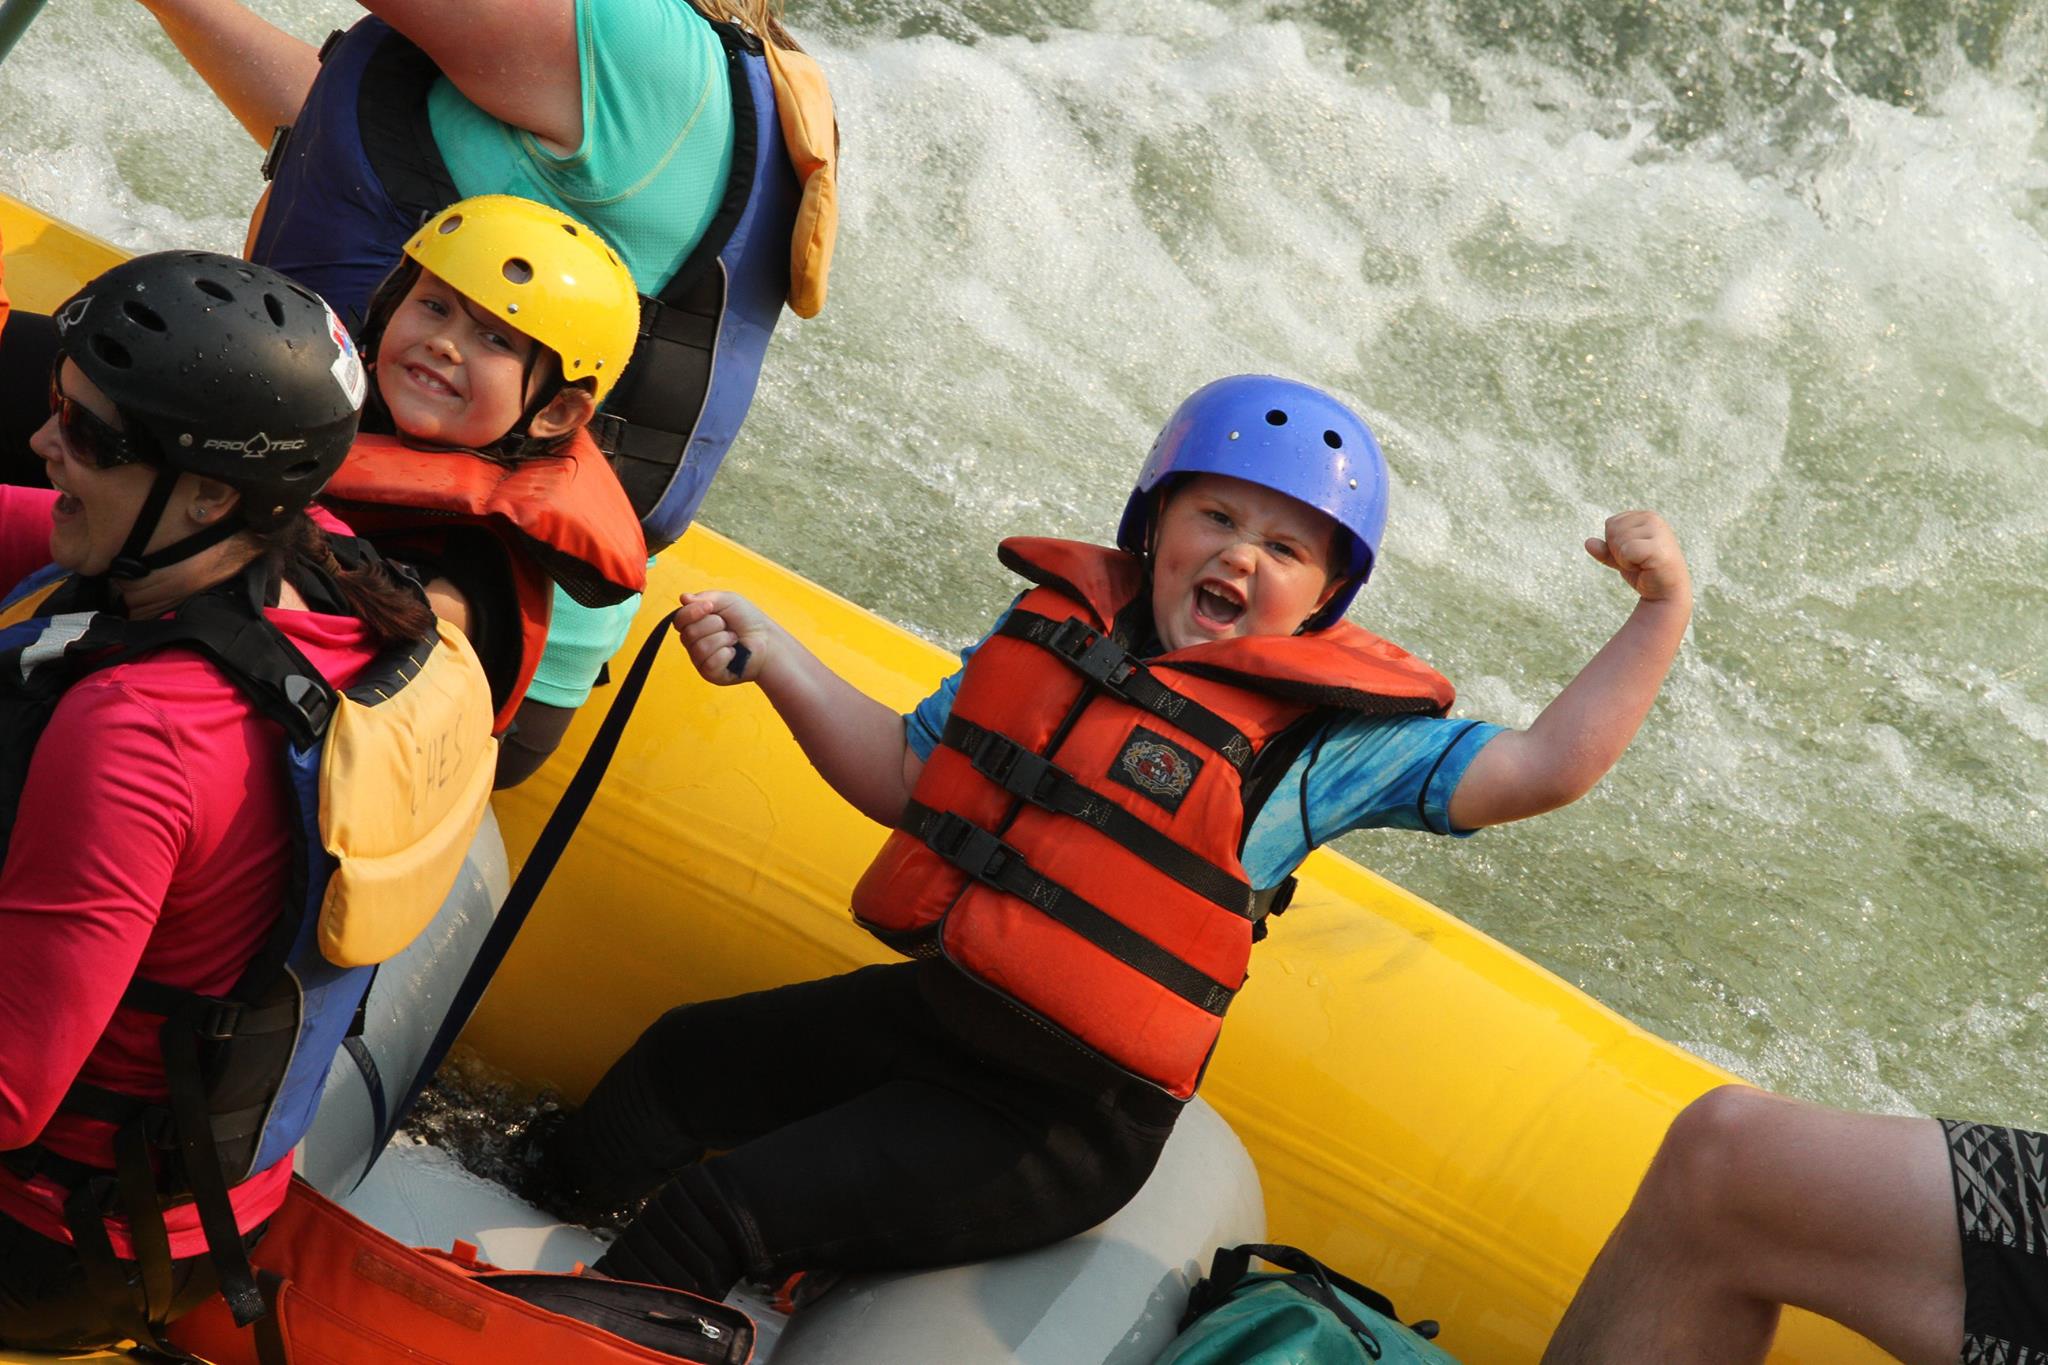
{"x": 1772, "y": 270}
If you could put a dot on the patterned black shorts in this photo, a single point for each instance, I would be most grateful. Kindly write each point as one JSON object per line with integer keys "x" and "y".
{"x": 2001, "y": 1179}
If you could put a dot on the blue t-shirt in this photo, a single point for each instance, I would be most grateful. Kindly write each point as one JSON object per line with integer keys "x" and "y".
{"x": 1358, "y": 772}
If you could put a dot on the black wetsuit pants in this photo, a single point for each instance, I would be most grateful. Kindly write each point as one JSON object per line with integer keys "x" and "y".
{"x": 861, "y": 1132}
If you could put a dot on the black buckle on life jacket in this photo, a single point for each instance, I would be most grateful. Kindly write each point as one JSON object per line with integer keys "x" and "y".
{"x": 969, "y": 847}
{"x": 1272, "y": 901}
{"x": 280, "y": 139}
{"x": 1011, "y": 766}
{"x": 1092, "y": 654}
{"x": 310, "y": 700}
{"x": 215, "y": 1021}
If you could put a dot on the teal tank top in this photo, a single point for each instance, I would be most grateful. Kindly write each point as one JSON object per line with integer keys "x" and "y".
{"x": 656, "y": 152}
{"x": 649, "y": 176}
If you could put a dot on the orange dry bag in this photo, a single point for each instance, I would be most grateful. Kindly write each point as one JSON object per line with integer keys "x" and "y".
{"x": 339, "y": 1290}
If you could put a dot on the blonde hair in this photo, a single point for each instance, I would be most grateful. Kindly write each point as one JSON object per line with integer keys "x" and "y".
{"x": 763, "y": 17}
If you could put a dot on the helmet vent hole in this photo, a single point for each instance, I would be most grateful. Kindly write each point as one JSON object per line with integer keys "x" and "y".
{"x": 569, "y": 228}
{"x": 142, "y": 315}
{"x": 111, "y": 352}
{"x": 1275, "y": 417}
{"x": 274, "y": 308}
{"x": 1333, "y": 440}
{"x": 304, "y": 469}
{"x": 213, "y": 289}
{"x": 518, "y": 271}
{"x": 450, "y": 223}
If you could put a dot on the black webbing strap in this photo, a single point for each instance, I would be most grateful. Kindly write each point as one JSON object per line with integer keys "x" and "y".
{"x": 84, "y": 1214}
{"x": 984, "y": 857}
{"x": 533, "y": 875}
{"x": 366, "y": 1060}
{"x": 88, "y": 1101}
{"x": 373, "y": 1079}
{"x": 141, "y": 1129}
{"x": 267, "y": 667}
{"x": 37, "y": 1162}
{"x": 1111, "y": 667}
{"x": 192, "y": 1126}
{"x": 135, "y": 1183}
{"x": 138, "y": 1307}
{"x": 1036, "y": 779}
{"x": 226, "y": 627}
{"x": 1309, "y": 1277}
{"x": 218, "y": 1019}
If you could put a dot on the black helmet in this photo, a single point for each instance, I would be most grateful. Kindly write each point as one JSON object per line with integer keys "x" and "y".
{"x": 228, "y": 370}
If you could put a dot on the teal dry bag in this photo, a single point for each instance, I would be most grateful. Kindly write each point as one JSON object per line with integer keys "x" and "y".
{"x": 1307, "y": 1314}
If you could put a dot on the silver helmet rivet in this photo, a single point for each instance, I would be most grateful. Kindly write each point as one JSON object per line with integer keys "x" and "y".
{"x": 1354, "y": 483}
{"x": 511, "y": 307}
{"x": 1233, "y": 436}
{"x": 186, "y": 439}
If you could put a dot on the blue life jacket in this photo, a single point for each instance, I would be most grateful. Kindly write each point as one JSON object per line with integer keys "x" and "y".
{"x": 244, "y": 1071}
{"x": 358, "y": 173}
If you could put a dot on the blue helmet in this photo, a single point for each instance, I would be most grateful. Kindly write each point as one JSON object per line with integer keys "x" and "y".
{"x": 1281, "y": 435}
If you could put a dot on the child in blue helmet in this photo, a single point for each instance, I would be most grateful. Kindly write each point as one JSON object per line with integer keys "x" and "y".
{"x": 1091, "y": 820}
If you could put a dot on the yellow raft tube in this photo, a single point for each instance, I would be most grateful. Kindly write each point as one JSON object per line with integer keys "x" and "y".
{"x": 1428, "y": 1110}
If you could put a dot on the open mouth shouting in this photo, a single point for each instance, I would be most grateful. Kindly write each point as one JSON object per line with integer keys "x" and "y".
{"x": 67, "y": 504}
{"x": 1218, "y": 605}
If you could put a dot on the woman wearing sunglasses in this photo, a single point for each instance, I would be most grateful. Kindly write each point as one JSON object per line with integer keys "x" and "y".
{"x": 170, "y": 666}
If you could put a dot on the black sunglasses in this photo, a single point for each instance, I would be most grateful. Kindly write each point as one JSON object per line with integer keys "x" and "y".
{"x": 93, "y": 439}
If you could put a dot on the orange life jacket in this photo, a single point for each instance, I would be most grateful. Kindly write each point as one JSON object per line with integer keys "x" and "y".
{"x": 1074, "y": 842}
{"x": 560, "y": 518}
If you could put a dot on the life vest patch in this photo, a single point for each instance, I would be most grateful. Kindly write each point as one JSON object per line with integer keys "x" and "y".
{"x": 1156, "y": 768}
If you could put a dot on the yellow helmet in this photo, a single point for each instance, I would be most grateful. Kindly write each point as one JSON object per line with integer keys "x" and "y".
{"x": 543, "y": 272}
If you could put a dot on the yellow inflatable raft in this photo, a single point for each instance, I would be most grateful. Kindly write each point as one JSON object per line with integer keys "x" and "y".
{"x": 1428, "y": 1110}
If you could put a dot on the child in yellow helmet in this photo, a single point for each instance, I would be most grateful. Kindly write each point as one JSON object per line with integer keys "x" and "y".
{"x": 491, "y": 346}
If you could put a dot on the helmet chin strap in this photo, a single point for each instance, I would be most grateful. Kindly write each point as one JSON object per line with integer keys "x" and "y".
{"x": 132, "y": 562}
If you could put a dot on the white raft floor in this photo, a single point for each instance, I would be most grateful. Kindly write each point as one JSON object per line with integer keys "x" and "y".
{"x": 1114, "y": 1294}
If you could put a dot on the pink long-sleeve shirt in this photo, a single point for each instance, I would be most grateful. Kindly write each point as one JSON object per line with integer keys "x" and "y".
{"x": 151, "y": 839}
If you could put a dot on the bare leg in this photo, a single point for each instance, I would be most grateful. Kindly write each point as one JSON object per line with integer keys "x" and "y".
{"x": 1754, "y": 1201}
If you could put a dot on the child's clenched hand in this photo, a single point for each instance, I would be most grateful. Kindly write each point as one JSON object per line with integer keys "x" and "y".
{"x": 1641, "y": 547}
{"x": 728, "y": 637}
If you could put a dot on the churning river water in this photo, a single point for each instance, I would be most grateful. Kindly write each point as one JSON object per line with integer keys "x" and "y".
{"x": 1777, "y": 269}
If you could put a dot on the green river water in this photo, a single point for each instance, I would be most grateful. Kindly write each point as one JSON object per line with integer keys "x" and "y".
{"x": 1776, "y": 269}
